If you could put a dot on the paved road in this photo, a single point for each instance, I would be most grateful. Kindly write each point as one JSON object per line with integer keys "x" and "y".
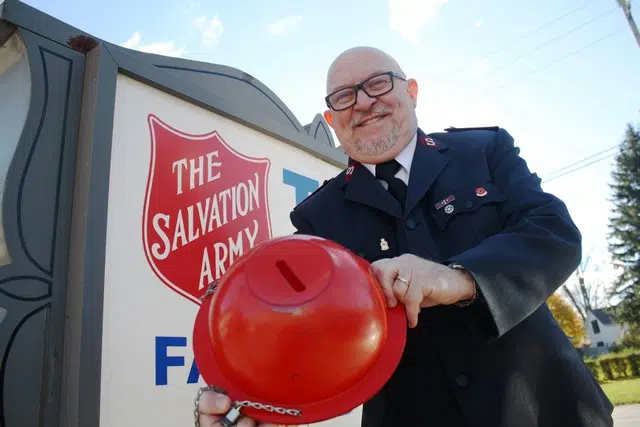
{"x": 626, "y": 416}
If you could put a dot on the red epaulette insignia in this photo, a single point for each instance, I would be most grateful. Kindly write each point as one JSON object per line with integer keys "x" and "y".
{"x": 427, "y": 141}
{"x": 353, "y": 165}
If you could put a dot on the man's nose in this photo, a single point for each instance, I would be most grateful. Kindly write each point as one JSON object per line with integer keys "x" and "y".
{"x": 363, "y": 101}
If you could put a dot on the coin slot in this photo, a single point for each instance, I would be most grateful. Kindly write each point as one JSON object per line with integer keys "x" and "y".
{"x": 291, "y": 278}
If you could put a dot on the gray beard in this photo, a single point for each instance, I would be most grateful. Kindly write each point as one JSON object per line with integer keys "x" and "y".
{"x": 377, "y": 146}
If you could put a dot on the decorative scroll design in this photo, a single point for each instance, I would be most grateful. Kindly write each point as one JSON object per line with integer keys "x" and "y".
{"x": 40, "y": 81}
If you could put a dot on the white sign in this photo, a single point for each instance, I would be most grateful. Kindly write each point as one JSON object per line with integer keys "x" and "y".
{"x": 189, "y": 192}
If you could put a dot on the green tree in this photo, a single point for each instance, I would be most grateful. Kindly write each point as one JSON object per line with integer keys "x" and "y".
{"x": 631, "y": 338}
{"x": 624, "y": 226}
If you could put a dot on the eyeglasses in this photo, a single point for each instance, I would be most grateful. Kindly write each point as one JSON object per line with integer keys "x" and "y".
{"x": 375, "y": 86}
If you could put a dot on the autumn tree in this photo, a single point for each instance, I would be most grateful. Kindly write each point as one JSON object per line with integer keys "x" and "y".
{"x": 624, "y": 225}
{"x": 568, "y": 318}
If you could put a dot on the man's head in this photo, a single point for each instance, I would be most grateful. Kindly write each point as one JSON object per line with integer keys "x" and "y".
{"x": 375, "y": 128}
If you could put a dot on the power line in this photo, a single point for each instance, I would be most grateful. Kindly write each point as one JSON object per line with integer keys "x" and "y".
{"x": 552, "y": 40}
{"x": 613, "y": 147}
{"x": 581, "y": 167}
{"x": 539, "y": 69}
{"x": 523, "y": 37}
{"x": 576, "y": 166}
{"x": 544, "y": 179}
{"x": 560, "y": 36}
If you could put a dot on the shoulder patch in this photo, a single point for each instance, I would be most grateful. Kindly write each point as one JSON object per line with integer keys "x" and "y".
{"x": 313, "y": 193}
{"x": 454, "y": 129}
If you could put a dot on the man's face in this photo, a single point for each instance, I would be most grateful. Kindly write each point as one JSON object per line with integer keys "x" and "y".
{"x": 374, "y": 129}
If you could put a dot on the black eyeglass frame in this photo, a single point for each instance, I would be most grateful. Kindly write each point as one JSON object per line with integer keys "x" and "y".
{"x": 360, "y": 85}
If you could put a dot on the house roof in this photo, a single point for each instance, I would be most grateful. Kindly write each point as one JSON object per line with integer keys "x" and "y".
{"x": 603, "y": 316}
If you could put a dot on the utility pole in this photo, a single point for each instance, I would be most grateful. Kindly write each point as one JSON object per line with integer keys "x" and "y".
{"x": 625, "y": 5}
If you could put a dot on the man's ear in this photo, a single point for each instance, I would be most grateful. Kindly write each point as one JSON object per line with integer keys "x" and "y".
{"x": 328, "y": 117}
{"x": 413, "y": 91}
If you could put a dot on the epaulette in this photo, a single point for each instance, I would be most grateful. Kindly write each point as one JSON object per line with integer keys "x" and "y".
{"x": 454, "y": 129}
{"x": 313, "y": 193}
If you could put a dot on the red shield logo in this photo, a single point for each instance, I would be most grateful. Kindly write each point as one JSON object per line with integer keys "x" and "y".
{"x": 206, "y": 205}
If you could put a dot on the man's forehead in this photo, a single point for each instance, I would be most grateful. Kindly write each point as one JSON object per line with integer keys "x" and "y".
{"x": 339, "y": 80}
{"x": 356, "y": 65}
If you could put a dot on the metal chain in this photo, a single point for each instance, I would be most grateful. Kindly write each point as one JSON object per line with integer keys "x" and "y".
{"x": 238, "y": 403}
{"x": 210, "y": 290}
{"x": 241, "y": 404}
{"x": 196, "y": 410}
{"x": 268, "y": 408}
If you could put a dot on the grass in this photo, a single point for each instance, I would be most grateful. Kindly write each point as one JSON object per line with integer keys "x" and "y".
{"x": 622, "y": 392}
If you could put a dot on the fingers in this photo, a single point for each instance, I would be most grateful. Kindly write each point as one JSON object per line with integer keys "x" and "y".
{"x": 216, "y": 421}
{"x": 396, "y": 278}
{"x": 212, "y": 408}
{"x": 411, "y": 301}
{"x": 386, "y": 272}
{"x": 407, "y": 291}
{"x": 246, "y": 422}
{"x": 401, "y": 287}
{"x": 212, "y": 403}
{"x": 209, "y": 420}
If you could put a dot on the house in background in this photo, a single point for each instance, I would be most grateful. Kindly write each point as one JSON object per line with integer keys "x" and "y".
{"x": 602, "y": 329}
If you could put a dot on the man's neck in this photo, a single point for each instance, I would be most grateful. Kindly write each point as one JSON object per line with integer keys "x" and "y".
{"x": 405, "y": 157}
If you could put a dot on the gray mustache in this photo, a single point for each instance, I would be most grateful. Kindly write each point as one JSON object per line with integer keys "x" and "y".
{"x": 376, "y": 109}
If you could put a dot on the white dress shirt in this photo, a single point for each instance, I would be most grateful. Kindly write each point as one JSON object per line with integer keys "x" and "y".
{"x": 405, "y": 157}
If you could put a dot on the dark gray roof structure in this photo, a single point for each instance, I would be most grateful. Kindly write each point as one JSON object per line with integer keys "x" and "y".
{"x": 604, "y": 316}
{"x": 222, "y": 89}
{"x": 54, "y": 199}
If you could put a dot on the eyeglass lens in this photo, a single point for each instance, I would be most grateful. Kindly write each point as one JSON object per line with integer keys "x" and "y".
{"x": 375, "y": 86}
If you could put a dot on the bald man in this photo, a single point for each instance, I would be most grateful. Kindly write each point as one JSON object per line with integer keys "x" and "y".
{"x": 473, "y": 248}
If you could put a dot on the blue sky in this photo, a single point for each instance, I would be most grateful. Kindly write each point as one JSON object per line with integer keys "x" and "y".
{"x": 563, "y": 77}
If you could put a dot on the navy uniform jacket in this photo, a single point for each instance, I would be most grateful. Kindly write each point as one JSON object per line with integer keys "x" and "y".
{"x": 503, "y": 361}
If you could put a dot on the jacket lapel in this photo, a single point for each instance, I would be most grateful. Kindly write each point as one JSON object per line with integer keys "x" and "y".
{"x": 362, "y": 187}
{"x": 428, "y": 163}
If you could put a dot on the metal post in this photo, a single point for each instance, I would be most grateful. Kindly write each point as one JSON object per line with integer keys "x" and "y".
{"x": 625, "y": 5}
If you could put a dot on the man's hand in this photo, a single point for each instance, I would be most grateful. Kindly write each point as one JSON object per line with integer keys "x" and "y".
{"x": 214, "y": 405}
{"x": 418, "y": 283}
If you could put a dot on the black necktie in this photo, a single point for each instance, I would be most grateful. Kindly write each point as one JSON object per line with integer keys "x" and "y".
{"x": 386, "y": 171}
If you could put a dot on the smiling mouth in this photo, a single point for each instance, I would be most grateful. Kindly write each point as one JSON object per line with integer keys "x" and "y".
{"x": 371, "y": 121}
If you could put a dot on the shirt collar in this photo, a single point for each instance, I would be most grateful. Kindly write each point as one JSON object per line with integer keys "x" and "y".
{"x": 405, "y": 157}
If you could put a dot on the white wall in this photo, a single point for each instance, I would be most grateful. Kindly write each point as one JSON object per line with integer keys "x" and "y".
{"x": 608, "y": 334}
{"x": 147, "y": 355}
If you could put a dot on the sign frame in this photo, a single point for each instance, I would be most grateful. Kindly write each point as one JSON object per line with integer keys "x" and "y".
{"x": 77, "y": 385}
